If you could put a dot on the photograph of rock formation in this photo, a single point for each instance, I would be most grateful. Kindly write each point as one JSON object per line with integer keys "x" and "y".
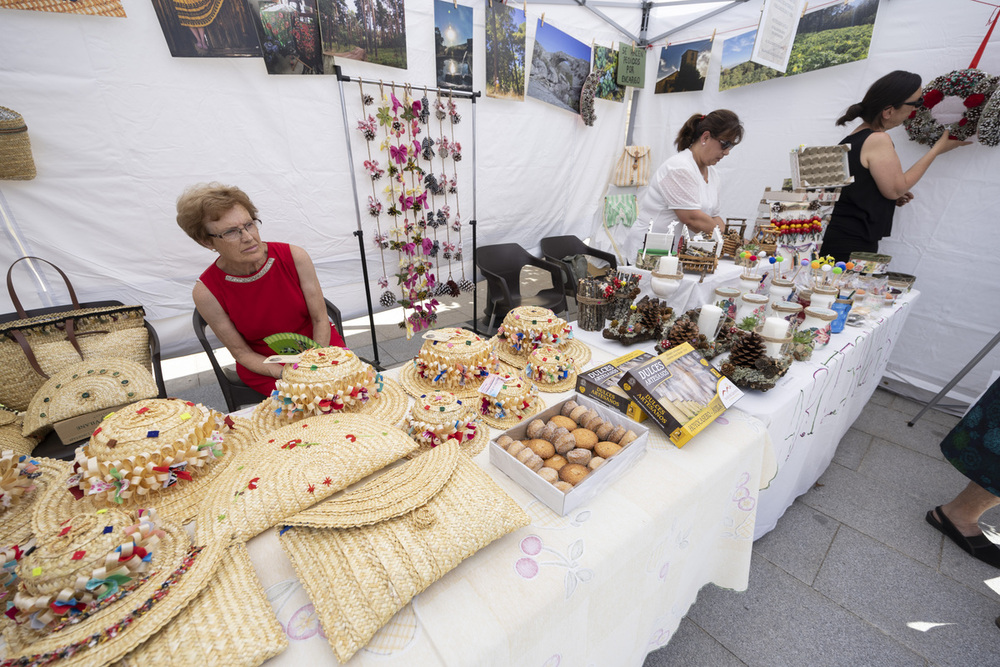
{"x": 559, "y": 64}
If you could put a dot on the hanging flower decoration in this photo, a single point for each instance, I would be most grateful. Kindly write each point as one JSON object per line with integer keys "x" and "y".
{"x": 373, "y": 169}
{"x": 456, "y": 152}
{"x": 425, "y": 109}
{"x": 383, "y": 282}
{"x": 456, "y": 118}
{"x": 444, "y": 147}
{"x": 374, "y": 209}
{"x": 973, "y": 85}
{"x": 381, "y": 240}
{"x": 368, "y": 128}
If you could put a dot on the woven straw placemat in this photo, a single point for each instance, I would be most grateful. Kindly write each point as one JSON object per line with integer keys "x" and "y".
{"x": 179, "y": 503}
{"x": 295, "y": 467}
{"x": 179, "y": 575}
{"x": 230, "y": 624}
{"x": 389, "y": 540}
{"x": 94, "y": 7}
{"x": 15, "y": 521}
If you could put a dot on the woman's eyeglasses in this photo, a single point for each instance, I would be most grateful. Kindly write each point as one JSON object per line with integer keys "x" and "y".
{"x": 918, "y": 103}
{"x": 236, "y": 233}
{"x": 726, "y": 145}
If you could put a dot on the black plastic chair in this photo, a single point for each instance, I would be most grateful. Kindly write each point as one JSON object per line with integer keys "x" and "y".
{"x": 154, "y": 340}
{"x": 501, "y": 265}
{"x": 234, "y": 390}
{"x": 554, "y": 248}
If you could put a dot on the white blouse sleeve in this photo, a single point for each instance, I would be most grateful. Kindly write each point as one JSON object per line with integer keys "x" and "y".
{"x": 681, "y": 190}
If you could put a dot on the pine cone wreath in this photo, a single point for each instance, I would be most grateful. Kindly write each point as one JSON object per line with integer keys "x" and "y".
{"x": 747, "y": 350}
{"x": 387, "y": 299}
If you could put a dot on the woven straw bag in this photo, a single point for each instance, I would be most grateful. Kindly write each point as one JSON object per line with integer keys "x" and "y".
{"x": 11, "y": 439}
{"x": 33, "y": 348}
{"x": 364, "y": 555}
{"x": 632, "y": 168}
{"x": 16, "y": 163}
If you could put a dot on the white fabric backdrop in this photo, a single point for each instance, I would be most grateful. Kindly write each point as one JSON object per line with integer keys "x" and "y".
{"x": 119, "y": 129}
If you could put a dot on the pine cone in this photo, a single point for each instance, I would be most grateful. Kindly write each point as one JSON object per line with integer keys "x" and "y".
{"x": 747, "y": 350}
{"x": 387, "y": 299}
{"x": 684, "y": 331}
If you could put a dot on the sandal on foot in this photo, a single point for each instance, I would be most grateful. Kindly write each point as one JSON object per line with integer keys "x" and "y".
{"x": 979, "y": 547}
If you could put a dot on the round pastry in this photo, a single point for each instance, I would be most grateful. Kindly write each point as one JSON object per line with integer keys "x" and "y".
{"x": 594, "y": 424}
{"x": 548, "y": 433}
{"x": 542, "y": 448}
{"x": 528, "y": 327}
{"x": 604, "y": 430}
{"x": 564, "y": 443}
{"x": 550, "y": 475}
{"x": 534, "y": 462}
{"x": 515, "y": 448}
{"x": 627, "y": 438}
{"x": 535, "y": 427}
{"x": 459, "y": 364}
{"x": 557, "y": 431}
{"x": 439, "y": 416}
{"x": 573, "y": 473}
{"x": 595, "y": 463}
{"x": 606, "y": 449}
{"x": 524, "y": 455}
{"x": 565, "y": 422}
{"x": 551, "y": 368}
{"x": 563, "y": 486}
{"x": 584, "y": 438}
{"x": 555, "y": 462}
{"x": 568, "y": 407}
{"x": 505, "y": 440}
{"x": 579, "y": 456}
{"x": 149, "y": 446}
{"x": 616, "y": 435}
{"x": 585, "y": 416}
{"x": 516, "y": 401}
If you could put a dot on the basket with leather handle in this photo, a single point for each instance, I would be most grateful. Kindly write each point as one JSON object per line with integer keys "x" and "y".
{"x": 33, "y": 348}
{"x": 16, "y": 163}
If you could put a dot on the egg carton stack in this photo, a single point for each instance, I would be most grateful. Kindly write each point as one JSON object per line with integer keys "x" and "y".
{"x": 820, "y": 167}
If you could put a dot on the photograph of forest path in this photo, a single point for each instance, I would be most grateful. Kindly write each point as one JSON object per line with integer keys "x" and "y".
{"x": 505, "y": 49}
{"x": 834, "y": 35}
{"x": 370, "y": 30}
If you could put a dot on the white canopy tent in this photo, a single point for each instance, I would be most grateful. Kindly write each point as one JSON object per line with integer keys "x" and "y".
{"x": 119, "y": 128}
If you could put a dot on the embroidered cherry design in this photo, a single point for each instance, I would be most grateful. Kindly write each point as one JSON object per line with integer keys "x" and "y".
{"x": 252, "y": 484}
{"x": 351, "y": 437}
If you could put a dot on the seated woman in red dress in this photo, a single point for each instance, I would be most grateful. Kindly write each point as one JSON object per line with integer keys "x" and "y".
{"x": 254, "y": 289}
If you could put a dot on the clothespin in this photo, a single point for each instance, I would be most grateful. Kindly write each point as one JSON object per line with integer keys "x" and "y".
{"x": 542, "y": 24}
{"x": 713, "y": 35}
{"x": 804, "y": 8}
{"x": 456, "y": 3}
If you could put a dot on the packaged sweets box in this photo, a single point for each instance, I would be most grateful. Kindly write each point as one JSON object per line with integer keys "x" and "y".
{"x": 594, "y": 483}
{"x": 680, "y": 391}
{"x": 601, "y": 383}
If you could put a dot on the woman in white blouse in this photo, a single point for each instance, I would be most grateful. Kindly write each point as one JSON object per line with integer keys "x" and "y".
{"x": 686, "y": 186}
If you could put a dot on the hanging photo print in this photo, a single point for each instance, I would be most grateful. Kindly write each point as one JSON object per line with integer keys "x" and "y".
{"x": 683, "y": 67}
{"x": 289, "y": 37}
{"x": 505, "y": 49}
{"x": 453, "y": 45}
{"x": 737, "y": 68}
{"x": 208, "y": 28}
{"x": 606, "y": 64}
{"x": 559, "y": 66}
{"x": 778, "y": 21}
{"x": 374, "y": 32}
{"x": 111, "y": 8}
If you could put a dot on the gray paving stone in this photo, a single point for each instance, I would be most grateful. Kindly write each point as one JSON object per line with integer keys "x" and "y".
{"x": 911, "y": 408}
{"x": 852, "y": 448}
{"x": 779, "y": 621}
{"x": 889, "y": 590}
{"x": 692, "y": 647}
{"x": 401, "y": 349}
{"x": 208, "y": 395}
{"x": 930, "y": 479}
{"x": 879, "y": 510}
{"x": 799, "y": 542}
{"x": 889, "y": 424}
{"x": 882, "y": 397}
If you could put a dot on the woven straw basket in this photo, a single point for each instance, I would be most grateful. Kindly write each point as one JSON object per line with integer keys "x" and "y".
{"x": 11, "y": 439}
{"x": 427, "y": 516}
{"x": 16, "y": 163}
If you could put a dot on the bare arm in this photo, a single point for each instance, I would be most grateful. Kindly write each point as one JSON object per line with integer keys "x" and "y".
{"x": 878, "y": 154}
{"x": 313, "y": 293}
{"x": 699, "y": 221}
{"x": 225, "y": 330}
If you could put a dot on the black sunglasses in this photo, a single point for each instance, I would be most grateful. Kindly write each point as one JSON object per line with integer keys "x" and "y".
{"x": 726, "y": 145}
{"x": 918, "y": 103}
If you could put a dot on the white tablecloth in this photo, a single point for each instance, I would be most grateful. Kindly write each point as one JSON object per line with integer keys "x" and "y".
{"x": 694, "y": 291}
{"x": 813, "y": 405}
{"x": 603, "y": 585}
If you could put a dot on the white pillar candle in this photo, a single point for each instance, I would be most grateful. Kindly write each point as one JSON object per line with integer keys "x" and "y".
{"x": 774, "y": 327}
{"x": 668, "y": 264}
{"x": 709, "y": 321}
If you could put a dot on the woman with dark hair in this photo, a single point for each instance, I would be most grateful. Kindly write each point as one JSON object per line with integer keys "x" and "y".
{"x": 863, "y": 214}
{"x": 686, "y": 186}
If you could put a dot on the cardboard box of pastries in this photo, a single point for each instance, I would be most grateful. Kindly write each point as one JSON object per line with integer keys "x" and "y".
{"x": 526, "y": 465}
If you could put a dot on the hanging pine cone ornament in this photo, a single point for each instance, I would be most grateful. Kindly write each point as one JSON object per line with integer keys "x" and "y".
{"x": 684, "y": 331}
{"x": 453, "y": 290}
{"x": 457, "y": 256}
{"x": 466, "y": 285}
{"x": 587, "y": 94}
{"x": 425, "y": 109}
{"x": 367, "y": 100}
{"x": 441, "y": 289}
{"x": 387, "y": 299}
{"x": 747, "y": 350}
{"x": 427, "y": 148}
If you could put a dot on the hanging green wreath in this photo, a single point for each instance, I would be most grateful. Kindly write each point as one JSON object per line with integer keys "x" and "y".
{"x": 973, "y": 85}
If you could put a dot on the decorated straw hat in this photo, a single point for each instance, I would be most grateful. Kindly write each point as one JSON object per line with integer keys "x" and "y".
{"x": 100, "y": 583}
{"x": 87, "y": 386}
{"x": 450, "y": 359}
{"x": 527, "y": 327}
{"x": 331, "y": 380}
{"x": 517, "y": 400}
{"x": 439, "y": 416}
{"x": 125, "y": 465}
{"x": 295, "y": 466}
{"x": 15, "y": 517}
{"x": 11, "y": 439}
{"x": 551, "y": 369}
{"x": 233, "y": 600}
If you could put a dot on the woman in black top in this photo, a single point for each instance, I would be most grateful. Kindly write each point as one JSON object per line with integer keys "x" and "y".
{"x": 863, "y": 215}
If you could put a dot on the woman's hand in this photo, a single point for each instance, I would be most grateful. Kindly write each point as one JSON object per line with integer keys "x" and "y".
{"x": 946, "y": 143}
{"x": 905, "y": 199}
